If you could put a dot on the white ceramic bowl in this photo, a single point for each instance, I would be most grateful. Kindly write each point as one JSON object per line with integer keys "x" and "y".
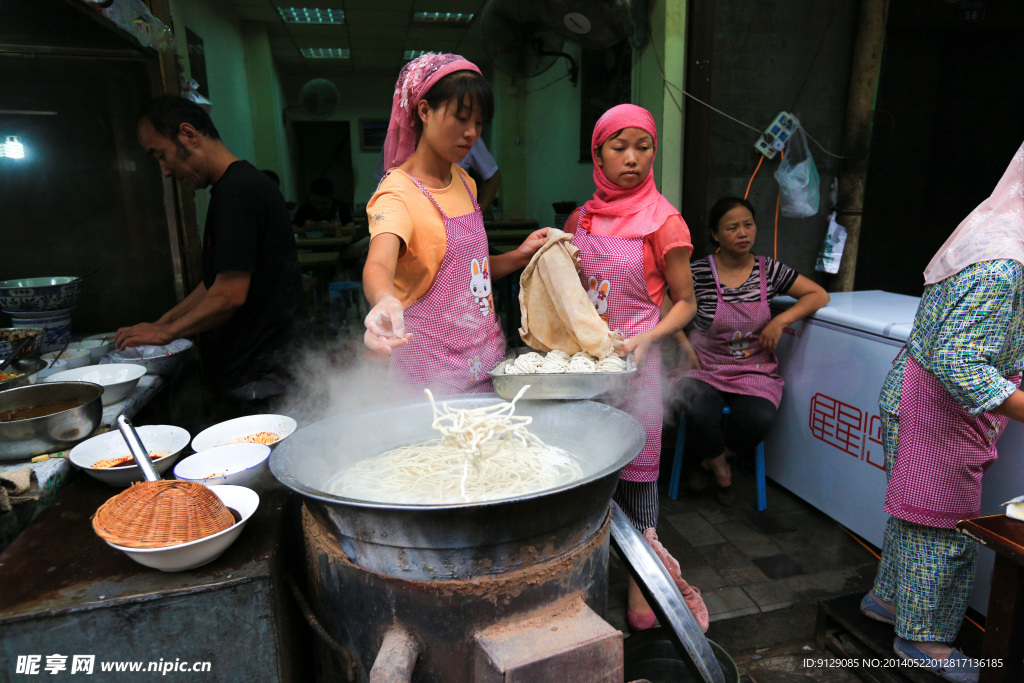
{"x": 52, "y": 367}
{"x": 96, "y": 348}
{"x": 105, "y": 336}
{"x": 159, "y": 439}
{"x": 76, "y": 358}
{"x": 177, "y": 558}
{"x": 234, "y": 431}
{"x": 239, "y": 464}
{"x": 163, "y": 364}
{"x": 117, "y": 380}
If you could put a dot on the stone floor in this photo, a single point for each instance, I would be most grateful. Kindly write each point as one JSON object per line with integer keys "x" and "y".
{"x": 761, "y": 574}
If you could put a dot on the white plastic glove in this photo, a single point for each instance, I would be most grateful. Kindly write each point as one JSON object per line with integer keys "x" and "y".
{"x": 385, "y": 326}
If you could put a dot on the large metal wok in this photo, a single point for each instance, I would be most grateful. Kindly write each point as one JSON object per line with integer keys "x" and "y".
{"x": 443, "y": 542}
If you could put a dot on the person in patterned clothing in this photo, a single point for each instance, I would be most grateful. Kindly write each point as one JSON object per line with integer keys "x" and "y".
{"x": 944, "y": 405}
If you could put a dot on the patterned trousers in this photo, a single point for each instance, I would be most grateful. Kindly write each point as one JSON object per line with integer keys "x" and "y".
{"x": 927, "y": 572}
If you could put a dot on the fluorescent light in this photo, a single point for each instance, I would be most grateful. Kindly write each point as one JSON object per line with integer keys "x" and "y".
{"x": 413, "y": 54}
{"x": 12, "y": 148}
{"x": 444, "y": 18}
{"x": 326, "y": 52}
{"x": 311, "y": 15}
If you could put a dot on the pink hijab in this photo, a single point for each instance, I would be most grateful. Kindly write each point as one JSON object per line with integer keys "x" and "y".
{"x": 994, "y": 230}
{"x": 414, "y": 81}
{"x": 635, "y": 210}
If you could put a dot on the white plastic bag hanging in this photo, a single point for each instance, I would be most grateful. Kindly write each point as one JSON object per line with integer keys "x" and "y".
{"x": 798, "y": 179}
{"x": 831, "y": 253}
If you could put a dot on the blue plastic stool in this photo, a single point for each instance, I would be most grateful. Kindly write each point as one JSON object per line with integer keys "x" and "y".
{"x": 677, "y": 466}
{"x": 347, "y": 294}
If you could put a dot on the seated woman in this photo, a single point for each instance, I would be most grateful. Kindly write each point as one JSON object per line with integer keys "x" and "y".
{"x": 731, "y": 344}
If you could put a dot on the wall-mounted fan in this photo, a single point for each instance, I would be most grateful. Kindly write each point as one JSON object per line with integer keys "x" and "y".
{"x": 319, "y": 98}
{"x": 592, "y": 23}
{"x": 519, "y": 42}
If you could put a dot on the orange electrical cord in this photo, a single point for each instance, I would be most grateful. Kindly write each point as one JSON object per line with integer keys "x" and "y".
{"x": 775, "y": 249}
{"x": 751, "y": 181}
{"x": 878, "y": 557}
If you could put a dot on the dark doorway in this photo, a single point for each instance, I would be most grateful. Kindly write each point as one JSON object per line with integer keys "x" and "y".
{"x": 949, "y": 117}
{"x": 325, "y": 150}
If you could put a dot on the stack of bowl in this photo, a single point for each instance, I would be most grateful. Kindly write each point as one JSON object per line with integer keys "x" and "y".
{"x": 44, "y": 303}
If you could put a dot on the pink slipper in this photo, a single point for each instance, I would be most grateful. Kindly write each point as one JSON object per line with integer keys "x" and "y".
{"x": 640, "y": 622}
{"x": 691, "y": 594}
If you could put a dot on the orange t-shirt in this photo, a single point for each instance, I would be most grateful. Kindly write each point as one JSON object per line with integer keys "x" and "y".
{"x": 400, "y": 208}
{"x": 673, "y": 233}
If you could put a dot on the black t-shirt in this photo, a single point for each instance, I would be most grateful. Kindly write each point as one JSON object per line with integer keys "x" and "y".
{"x": 338, "y": 213}
{"x": 247, "y": 230}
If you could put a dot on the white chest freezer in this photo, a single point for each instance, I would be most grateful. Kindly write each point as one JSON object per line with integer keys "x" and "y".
{"x": 826, "y": 444}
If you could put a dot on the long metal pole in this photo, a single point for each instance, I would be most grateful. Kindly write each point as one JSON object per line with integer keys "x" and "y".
{"x": 860, "y": 104}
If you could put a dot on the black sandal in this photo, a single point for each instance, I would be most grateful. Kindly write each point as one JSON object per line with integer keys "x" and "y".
{"x": 725, "y": 495}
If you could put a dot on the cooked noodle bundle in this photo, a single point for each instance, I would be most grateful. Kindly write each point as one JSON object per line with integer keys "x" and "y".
{"x": 557, "y": 362}
{"x": 483, "y": 454}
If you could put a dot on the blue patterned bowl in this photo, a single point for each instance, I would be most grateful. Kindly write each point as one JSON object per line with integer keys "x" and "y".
{"x": 56, "y": 330}
{"x": 36, "y": 294}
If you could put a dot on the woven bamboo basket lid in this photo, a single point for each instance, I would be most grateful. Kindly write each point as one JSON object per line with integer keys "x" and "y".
{"x": 156, "y": 514}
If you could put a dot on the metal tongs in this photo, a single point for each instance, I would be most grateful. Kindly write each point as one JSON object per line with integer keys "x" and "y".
{"x": 14, "y": 354}
{"x": 138, "y": 451}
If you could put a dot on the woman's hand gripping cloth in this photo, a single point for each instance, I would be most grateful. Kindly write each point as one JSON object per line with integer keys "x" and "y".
{"x": 690, "y": 593}
{"x": 556, "y": 311}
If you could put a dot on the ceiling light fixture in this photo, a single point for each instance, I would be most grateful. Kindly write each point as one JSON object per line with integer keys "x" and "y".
{"x": 311, "y": 15}
{"x": 443, "y": 18}
{"x": 326, "y": 52}
{"x": 12, "y": 148}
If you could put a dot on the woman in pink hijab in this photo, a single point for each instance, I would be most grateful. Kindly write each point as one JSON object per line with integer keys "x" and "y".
{"x": 634, "y": 248}
{"x": 428, "y": 272}
{"x": 944, "y": 406}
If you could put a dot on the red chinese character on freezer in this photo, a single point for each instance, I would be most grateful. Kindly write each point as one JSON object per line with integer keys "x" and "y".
{"x": 874, "y": 451}
{"x": 836, "y": 423}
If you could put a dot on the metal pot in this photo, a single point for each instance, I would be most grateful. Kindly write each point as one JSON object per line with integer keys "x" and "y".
{"x": 457, "y": 541}
{"x": 20, "y": 439}
{"x": 28, "y": 367}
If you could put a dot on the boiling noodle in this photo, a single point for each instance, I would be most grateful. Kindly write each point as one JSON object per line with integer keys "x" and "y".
{"x": 557, "y": 362}
{"x": 483, "y": 454}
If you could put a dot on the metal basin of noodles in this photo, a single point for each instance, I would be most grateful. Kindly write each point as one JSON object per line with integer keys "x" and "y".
{"x": 459, "y": 540}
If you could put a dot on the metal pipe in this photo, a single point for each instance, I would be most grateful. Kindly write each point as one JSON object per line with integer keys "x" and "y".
{"x": 397, "y": 657}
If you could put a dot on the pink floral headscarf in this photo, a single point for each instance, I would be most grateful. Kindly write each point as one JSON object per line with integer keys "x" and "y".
{"x": 634, "y": 210}
{"x": 414, "y": 81}
{"x": 994, "y": 230}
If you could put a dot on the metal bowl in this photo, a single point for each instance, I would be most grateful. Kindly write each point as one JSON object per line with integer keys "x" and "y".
{"x": 562, "y": 386}
{"x": 21, "y": 439}
{"x": 28, "y": 367}
{"x": 425, "y": 542}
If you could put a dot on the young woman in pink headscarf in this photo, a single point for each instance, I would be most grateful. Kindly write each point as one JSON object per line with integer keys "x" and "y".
{"x": 634, "y": 247}
{"x": 428, "y": 272}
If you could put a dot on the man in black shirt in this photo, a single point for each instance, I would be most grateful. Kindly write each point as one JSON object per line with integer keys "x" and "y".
{"x": 248, "y": 304}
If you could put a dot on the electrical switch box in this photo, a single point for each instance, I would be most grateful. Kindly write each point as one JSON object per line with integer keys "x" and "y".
{"x": 777, "y": 134}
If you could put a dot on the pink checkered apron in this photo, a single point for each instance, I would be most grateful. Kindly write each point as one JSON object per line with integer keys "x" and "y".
{"x": 620, "y": 260}
{"x": 730, "y": 354}
{"x": 941, "y": 453}
{"x": 456, "y": 338}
